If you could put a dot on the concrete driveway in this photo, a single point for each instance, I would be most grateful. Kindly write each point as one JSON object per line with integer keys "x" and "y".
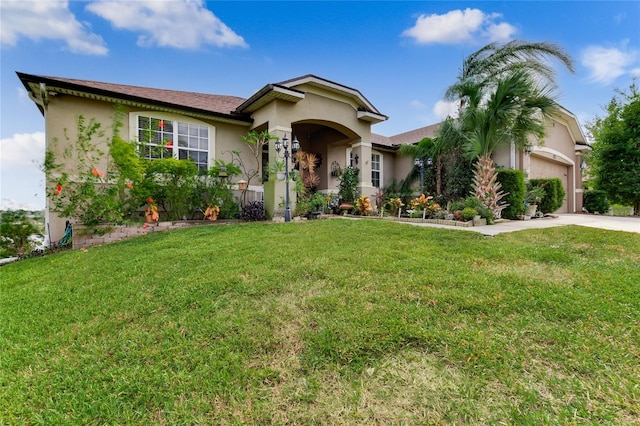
{"x": 613, "y": 223}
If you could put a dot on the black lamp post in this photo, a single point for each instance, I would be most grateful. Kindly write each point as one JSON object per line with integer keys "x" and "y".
{"x": 419, "y": 162}
{"x": 295, "y": 146}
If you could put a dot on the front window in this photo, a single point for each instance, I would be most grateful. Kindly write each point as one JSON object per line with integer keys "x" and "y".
{"x": 161, "y": 138}
{"x": 376, "y": 169}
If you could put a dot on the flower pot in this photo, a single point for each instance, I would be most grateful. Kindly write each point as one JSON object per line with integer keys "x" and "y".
{"x": 531, "y": 210}
{"x": 281, "y": 176}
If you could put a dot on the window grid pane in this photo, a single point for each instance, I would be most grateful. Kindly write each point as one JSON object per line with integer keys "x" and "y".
{"x": 375, "y": 170}
{"x": 157, "y": 137}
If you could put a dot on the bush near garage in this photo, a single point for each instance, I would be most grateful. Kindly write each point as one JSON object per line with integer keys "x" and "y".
{"x": 554, "y": 193}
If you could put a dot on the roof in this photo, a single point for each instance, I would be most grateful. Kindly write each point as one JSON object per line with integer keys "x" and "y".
{"x": 416, "y": 135}
{"x": 288, "y": 90}
{"x": 221, "y": 106}
{"x": 314, "y": 80}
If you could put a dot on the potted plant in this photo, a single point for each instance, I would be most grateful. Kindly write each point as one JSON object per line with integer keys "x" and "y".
{"x": 533, "y": 197}
{"x": 276, "y": 167}
{"x": 151, "y": 213}
{"x": 212, "y": 212}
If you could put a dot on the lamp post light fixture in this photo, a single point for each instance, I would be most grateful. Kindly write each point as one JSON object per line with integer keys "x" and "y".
{"x": 419, "y": 162}
{"x": 284, "y": 146}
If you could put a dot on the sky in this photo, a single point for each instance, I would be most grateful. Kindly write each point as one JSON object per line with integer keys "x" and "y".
{"x": 401, "y": 55}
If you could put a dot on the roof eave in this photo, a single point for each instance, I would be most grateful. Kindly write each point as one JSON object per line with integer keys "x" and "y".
{"x": 267, "y": 94}
{"x": 67, "y": 88}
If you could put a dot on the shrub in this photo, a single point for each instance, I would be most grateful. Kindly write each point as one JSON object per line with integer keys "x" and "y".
{"x": 348, "y": 186}
{"x": 171, "y": 183}
{"x": 253, "y": 211}
{"x": 468, "y": 213}
{"x": 513, "y": 185}
{"x": 554, "y": 194}
{"x": 595, "y": 201}
{"x": 478, "y": 206}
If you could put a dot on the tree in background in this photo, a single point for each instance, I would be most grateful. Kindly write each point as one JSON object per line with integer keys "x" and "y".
{"x": 615, "y": 160}
{"x": 17, "y": 231}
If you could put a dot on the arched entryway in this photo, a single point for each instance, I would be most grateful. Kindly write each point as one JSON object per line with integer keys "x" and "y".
{"x": 329, "y": 142}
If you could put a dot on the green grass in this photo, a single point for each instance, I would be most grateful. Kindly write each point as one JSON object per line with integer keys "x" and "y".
{"x": 326, "y": 322}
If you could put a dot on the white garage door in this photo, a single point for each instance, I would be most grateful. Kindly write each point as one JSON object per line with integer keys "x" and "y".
{"x": 541, "y": 168}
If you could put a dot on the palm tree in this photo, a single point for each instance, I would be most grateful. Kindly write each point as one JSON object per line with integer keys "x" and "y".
{"x": 514, "y": 112}
{"x": 505, "y": 93}
{"x": 484, "y": 68}
{"x": 431, "y": 149}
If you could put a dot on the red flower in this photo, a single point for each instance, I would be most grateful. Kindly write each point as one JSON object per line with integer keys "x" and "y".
{"x": 130, "y": 185}
{"x": 169, "y": 144}
{"x": 58, "y": 189}
{"x": 145, "y": 226}
{"x": 97, "y": 172}
{"x": 161, "y": 124}
{"x": 149, "y": 200}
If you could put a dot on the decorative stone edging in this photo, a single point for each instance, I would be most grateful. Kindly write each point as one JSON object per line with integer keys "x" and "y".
{"x": 481, "y": 222}
{"x": 86, "y": 237}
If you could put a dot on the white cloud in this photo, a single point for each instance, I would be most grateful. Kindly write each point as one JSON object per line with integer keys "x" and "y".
{"x": 22, "y": 151}
{"x": 443, "y": 109}
{"x": 11, "y": 204}
{"x": 605, "y": 64}
{"x": 37, "y": 20}
{"x": 620, "y": 17}
{"x": 416, "y": 104}
{"x": 180, "y": 24}
{"x": 22, "y": 181}
{"x": 460, "y": 26}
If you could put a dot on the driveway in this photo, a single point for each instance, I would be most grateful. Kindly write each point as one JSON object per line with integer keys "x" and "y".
{"x": 613, "y": 223}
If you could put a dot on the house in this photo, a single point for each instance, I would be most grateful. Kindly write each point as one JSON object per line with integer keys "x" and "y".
{"x": 329, "y": 119}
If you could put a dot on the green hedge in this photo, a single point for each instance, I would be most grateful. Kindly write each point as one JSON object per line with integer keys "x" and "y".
{"x": 595, "y": 201}
{"x": 554, "y": 194}
{"x": 513, "y": 185}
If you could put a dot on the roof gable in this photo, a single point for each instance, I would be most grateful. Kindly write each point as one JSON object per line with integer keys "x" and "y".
{"x": 331, "y": 86}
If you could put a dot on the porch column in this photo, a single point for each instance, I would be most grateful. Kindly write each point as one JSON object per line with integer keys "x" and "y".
{"x": 275, "y": 190}
{"x": 363, "y": 151}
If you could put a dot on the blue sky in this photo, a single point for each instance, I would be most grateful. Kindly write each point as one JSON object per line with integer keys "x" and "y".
{"x": 401, "y": 55}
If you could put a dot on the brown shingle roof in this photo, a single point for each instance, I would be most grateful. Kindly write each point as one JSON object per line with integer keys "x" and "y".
{"x": 416, "y": 135}
{"x": 412, "y": 136}
{"x": 216, "y": 104}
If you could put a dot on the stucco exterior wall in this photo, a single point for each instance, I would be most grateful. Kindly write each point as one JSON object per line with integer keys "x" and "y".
{"x": 61, "y": 121}
{"x": 61, "y": 128}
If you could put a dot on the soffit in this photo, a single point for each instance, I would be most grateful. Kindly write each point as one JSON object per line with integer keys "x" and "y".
{"x": 268, "y": 94}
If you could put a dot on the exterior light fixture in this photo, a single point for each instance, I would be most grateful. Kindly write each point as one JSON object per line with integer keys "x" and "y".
{"x": 528, "y": 148}
{"x": 284, "y": 146}
{"x": 242, "y": 185}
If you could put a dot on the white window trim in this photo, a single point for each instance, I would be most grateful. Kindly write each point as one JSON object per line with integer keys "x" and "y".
{"x": 133, "y": 129}
{"x": 381, "y": 168}
{"x": 373, "y": 152}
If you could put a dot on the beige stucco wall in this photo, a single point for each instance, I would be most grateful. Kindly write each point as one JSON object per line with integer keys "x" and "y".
{"x": 62, "y": 117}
{"x": 61, "y": 129}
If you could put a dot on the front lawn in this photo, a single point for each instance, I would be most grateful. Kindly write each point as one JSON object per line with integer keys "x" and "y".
{"x": 326, "y": 322}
